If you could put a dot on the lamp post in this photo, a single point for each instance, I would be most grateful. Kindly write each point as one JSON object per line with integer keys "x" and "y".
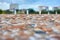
{"x": 14, "y": 11}
{"x": 40, "y": 12}
{"x": 48, "y": 12}
{"x": 56, "y": 12}
{"x": 27, "y": 11}
{"x": 55, "y": 9}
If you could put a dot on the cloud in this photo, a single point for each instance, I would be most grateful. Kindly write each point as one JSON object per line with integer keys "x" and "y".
{"x": 13, "y": 1}
{"x": 25, "y": 4}
{"x": 4, "y": 5}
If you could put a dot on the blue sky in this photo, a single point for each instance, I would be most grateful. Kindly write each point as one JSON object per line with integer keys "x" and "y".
{"x": 25, "y": 4}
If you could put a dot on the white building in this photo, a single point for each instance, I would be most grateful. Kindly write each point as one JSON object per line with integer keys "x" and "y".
{"x": 42, "y": 8}
{"x": 55, "y": 8}
{"x": 14, "y": 7}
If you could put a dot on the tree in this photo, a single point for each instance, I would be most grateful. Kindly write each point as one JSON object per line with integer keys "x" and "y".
{"x": 44, "y": 11}
{"x": 51, "y": 12}
{"x": 17, "y": 11}
{"x": 56, "y": 10}
{"x": 1, "y": 11}
{"x": 31, "y": 11}
{"x": 8, "y": 12}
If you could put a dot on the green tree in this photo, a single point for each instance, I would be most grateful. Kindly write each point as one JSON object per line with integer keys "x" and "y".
{"x": 17, "y": 11}
{"x": 1, "y": 11}
{"x": 57, "y": 10}
{"x": 31, "y": 11}
{"x": 8, "y": 12}
{"x": 51, "y": 12}
{"x": 44, "y": 11}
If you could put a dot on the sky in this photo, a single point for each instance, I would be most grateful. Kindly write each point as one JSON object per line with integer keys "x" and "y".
{"x": 25, "y": 4}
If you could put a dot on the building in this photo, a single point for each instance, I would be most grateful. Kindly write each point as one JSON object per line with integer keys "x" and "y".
{"x": 14, "y": 7}
{"x": 42, "y": 8}
{"x": 56, "y": 8}
{"x": 24, "y": 11}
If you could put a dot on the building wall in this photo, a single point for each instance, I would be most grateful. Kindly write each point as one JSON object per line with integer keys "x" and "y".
{"x": 43, "y": 7}
{"x": 14, "y": 6}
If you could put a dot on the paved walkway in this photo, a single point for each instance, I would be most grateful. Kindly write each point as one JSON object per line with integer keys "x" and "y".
{"x": 29, "y": 27}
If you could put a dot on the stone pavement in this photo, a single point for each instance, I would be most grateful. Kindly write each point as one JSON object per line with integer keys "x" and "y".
{"x": 29, "y": 27}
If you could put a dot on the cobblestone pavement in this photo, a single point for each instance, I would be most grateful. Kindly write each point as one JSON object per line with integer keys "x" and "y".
{"x": 29, "y": 27}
